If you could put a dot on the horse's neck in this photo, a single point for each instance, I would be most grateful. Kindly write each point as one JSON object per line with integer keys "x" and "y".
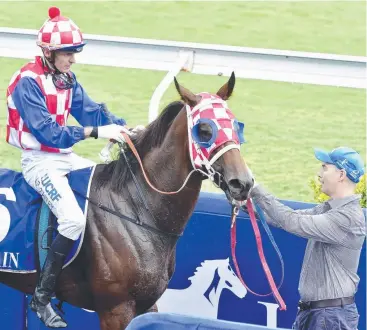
{"x": 168, "y": 169}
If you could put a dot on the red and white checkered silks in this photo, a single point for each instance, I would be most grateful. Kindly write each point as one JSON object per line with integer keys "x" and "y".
{"x": 214, "y": 108}
{"x": 59, "y": 32}
{"x": 58, "y": 103}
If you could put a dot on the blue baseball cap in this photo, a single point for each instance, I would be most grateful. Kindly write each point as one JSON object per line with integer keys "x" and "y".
{"x": 344, "y": 159}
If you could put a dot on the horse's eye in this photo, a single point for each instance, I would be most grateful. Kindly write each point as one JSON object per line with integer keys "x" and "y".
{"x": 206, "y": 132}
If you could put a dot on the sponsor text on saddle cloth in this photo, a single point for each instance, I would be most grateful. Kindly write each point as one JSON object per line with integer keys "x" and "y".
{"x": 20, "y": 205}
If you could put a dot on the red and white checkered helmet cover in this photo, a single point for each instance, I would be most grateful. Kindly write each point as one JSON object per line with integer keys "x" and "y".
{"x": 60, "y": 32}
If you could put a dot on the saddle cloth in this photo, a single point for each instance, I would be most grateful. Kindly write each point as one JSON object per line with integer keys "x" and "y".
{"x": 25, "y": 221}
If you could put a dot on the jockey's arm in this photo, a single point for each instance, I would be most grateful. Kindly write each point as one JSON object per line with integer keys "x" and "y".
{"x": 30, "y": 102}
{"x": 89, "y": 113}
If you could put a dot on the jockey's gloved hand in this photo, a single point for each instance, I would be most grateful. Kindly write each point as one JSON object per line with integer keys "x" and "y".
{"x": 111, "y": 132}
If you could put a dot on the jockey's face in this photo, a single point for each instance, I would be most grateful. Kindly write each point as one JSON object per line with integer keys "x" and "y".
{"x": 64, "y": 61}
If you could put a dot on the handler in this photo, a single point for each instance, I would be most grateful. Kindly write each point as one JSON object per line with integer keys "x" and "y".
{"x": 335, "y": 231}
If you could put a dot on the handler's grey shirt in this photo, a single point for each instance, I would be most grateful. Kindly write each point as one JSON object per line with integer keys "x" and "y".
{"x": 335, "y": 231}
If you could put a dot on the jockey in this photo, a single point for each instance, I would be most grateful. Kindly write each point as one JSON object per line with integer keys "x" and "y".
{"x": 40, "y": 97}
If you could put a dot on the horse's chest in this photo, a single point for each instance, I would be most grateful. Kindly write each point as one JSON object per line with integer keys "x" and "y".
{"x": 136, "y": 263}
{"x": 152, "y": 277}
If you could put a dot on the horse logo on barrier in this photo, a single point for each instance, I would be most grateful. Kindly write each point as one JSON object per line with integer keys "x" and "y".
{"x": 202, "y": 297}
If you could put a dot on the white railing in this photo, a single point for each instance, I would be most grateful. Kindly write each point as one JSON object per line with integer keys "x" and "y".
{"x": 171, "y": 56}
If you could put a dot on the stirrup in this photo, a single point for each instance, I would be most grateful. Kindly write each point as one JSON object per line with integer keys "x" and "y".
{"x": 47, "y": 315}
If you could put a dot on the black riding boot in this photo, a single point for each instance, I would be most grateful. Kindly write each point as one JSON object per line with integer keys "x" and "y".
{"x": 40, "y": 302}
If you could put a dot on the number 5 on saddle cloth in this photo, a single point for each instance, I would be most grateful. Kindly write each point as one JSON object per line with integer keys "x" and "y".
{"x": 27, "y": 226}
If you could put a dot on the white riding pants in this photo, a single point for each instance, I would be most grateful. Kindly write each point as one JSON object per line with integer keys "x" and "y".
{"x": 46, "y": 173}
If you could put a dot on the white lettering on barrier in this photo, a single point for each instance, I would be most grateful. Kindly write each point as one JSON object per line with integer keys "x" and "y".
{"x": 271, "y": 314}
{"x": 4, "y": 212}
{"x": 9, "y": 258}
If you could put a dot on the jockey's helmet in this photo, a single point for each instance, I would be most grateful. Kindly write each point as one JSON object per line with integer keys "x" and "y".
{"x": 60, "y": 33}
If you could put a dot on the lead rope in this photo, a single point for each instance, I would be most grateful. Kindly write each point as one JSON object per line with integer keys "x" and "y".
{"x": 265, "y": 266}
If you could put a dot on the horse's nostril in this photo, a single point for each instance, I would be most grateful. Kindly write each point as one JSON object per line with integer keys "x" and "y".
{"x": 235, "y": 184}
{"x": 239, "y": 189}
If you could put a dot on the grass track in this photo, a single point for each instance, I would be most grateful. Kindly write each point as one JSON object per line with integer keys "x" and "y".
{"x": 317, "y": 26}
{"x": 283, "y": 121}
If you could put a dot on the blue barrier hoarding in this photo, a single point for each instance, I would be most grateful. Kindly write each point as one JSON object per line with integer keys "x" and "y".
{"x": 76, "y": 318}
{"x": 164, "y": 321}
{"x": 12, "y": 309}
{"x": 207, "y": 241}
{"x": 204, "y": 285}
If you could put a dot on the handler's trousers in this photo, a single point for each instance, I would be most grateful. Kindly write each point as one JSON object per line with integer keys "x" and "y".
{"x": 335, "y": 318}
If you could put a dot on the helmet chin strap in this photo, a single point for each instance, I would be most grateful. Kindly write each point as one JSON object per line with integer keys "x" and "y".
{"x": 61, "y": 80}
{"x": 49, "y": 62}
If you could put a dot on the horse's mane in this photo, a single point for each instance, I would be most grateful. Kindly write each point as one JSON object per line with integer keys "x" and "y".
{"x": 117, "y": 171}
{"x": 207, "y": 264}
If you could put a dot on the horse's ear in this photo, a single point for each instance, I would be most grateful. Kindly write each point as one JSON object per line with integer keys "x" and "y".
{"x": 226, "y": 90}
{"x": 190, "y": 98}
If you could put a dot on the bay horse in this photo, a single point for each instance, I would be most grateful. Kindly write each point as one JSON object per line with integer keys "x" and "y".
{"x": 122, "y": 268}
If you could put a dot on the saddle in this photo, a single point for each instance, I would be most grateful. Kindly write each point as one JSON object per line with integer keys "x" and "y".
{"x": 27, "y": 226}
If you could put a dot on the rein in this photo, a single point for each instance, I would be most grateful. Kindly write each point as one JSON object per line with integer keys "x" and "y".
{"x": 264, "y": 264}
{"x": 211, "y": 175}
{"x": 208, "y": 165}
{"x": 136, "y": 154}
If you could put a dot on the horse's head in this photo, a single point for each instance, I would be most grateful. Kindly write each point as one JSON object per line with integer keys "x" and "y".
{"x": 230, "y": 280}
{"x": 214, "y": 140}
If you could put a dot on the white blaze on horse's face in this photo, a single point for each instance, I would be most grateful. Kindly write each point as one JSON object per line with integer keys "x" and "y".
{"x": 231, "y": 280}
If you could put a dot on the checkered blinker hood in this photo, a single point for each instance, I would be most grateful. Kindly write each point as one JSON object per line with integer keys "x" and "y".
{"x": 221, "y": 127}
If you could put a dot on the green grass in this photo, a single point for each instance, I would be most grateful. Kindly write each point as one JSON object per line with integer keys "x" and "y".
{"x": 325, "y": 26}
{"x": 283, "y": 121}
